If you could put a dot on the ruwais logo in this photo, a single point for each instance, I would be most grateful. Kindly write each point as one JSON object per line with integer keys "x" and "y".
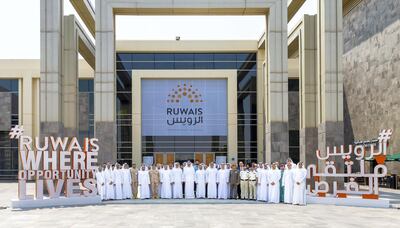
{"x": 186, "y": 91}
{"x": 189, "y": 113}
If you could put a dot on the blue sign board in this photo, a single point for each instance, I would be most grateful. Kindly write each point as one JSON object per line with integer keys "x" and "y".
{"x": 193, "y": 107}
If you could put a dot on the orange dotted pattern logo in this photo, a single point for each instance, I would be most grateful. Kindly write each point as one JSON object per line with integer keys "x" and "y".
{"x": 186, "y": 90}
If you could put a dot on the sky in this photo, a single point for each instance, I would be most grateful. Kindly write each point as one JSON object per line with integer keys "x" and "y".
{"x": 20, "y": 26}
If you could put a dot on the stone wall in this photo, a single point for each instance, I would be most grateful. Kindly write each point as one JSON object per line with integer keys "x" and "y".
{"x": 371, "y": 65}
{"x": 367, "y": 19}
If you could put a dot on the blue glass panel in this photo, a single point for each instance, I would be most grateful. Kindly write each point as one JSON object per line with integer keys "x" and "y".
{"x": 204, "y": 65}
{"x": 124, "y": 65}
{"x": 246, "y": 57}
{"x": 90, "y": 84}
{"x": 164, "y": 57}
{"x": 91, "y": 103}
{"x": 14, "y": 85}
{"x": 184, "y": 65}
{"x": 83, "y": 85}
{"x": 14, "y": 103}
{"x": 86, "y": 85}
{"x": 124, "y": 57}
{"x": 293, "y": 85}
{"x": 5, "y": 85}
{"x": 143, "y": 65}
{"x": 124, "y": 81}
{"x": 247, "y": 102}
{"x": 246, "y": 65}
{"x": 225, "y": 57}
{"x": 124, "y": 103}
{"x": 224, "y": 65}
{"x": 184, "y": 57}
{"x": 247, "y": 80}
{"x": 204, "y": 57}
{"x": 164, "y": 61}
{"x": 142, "y": 57}
{"x": 164, "y": 65}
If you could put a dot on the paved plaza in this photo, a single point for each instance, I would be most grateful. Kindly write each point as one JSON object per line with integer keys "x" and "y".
{"x": 241, "y": 214}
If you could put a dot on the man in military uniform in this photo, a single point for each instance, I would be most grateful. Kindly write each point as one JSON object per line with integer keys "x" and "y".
{"x": 134, "y": 179}
{"x": 244, "y": 183}
{"x": 234, "y": 181}
{"x": 252, "y": 183}
{"x": 154, "y": 181}
{"x": 240, "y": 168}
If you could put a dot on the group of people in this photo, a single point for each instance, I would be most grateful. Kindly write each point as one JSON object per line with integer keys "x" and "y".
{"x": 271, "y": 183}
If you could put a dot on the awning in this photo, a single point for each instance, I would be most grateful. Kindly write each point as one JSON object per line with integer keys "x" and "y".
{"x": 389, "y": 157}
{"x": 393, "y": 157}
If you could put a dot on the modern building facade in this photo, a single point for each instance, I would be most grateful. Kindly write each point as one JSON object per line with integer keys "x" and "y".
{"x": 284, "y": 95}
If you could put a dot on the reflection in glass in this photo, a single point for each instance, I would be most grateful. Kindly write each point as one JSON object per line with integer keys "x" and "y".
{"x": 9, "y": 118}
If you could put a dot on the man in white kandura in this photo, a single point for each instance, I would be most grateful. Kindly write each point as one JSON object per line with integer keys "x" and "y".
{"x": 287, "y": 183}
{"x": 126, "y": 182}
{"x": 299, "y": 189}
{"x": 160, "y": 170}
{"x": 200, "y": 179}
{"x": 262, "y": 184}
{"x": 188, "y": 178}
{"x": 100, "y": 182}
{"x": 177, "y": 181}
{"x": 166, "y": 179}
{"x": 117, "y": 181}
{"x": 274, "y": 188}
{"x": 108, "y": 179}
{"x": 258, "y": 174}
{"x": 144, "y": 183}
{"x": 267, "y": 167}
{"x": 211, "y": 179}
{"x": 222, "y": 180}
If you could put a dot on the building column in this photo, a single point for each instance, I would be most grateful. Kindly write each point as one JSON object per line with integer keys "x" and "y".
{"x": 27, "y": 104}
{"x": 308, "y": 90}
{"x": 104, "y": 83}
{"x": 276, "y": 89}
{"x": 70, "y": 79}
{"x": 51, "y": 53}
{"x": 330, "y": 76}
{"x": 260, "y": 104}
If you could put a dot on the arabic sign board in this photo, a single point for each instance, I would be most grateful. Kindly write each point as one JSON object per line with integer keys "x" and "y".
{"x": 359, "y": 153}
{"x": 194, "y": 107}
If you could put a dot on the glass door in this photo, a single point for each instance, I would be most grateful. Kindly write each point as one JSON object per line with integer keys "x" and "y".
{"x": 184, "y": 157}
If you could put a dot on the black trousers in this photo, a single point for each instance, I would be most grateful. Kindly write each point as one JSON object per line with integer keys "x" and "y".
{"x": 238, "y": 191}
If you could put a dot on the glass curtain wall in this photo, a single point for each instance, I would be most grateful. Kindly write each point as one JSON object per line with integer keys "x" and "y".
{"x": 86, "y": 109}
{"x": 246, "y": 66}
{"x": 9, "y": 117}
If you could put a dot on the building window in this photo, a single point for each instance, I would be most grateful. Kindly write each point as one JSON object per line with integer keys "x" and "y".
{"x": 294, "y": 119}
{"x": 294, "y": 145}
{"x": 293, "y": 85}
{"x": 124, "y": 115}
{"x": 86, "y": 109}
{"x": 8, "y": 118}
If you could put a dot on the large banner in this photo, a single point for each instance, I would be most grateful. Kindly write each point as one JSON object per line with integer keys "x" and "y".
{"x": 194, "y": 107}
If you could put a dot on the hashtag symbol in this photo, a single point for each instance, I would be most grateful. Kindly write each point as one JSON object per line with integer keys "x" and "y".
{"x": 16, "y": 132}
{"x": 385, "y": 135}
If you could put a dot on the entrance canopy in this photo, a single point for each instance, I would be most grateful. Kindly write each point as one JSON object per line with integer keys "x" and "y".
{"x": 275, "y": 12}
